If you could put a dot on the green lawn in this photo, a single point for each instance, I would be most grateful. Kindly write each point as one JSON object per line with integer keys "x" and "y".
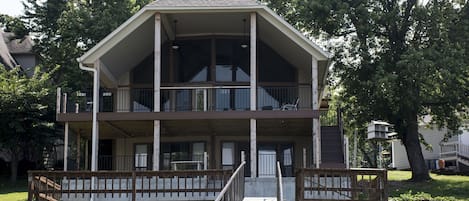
{"x": 13, "y": 191}
{"x": 443, "y": 187}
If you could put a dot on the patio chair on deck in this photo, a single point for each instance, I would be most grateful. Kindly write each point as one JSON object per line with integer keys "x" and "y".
{"x": 291, "y": 106}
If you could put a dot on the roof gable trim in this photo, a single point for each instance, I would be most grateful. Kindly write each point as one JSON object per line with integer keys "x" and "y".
{"x": 295, "y": 35}
{"x": 115, "y": 37}
{"x": 140, "y": 17}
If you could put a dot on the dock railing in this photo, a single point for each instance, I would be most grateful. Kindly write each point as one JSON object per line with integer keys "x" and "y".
{"x": 341, "y": 184}
{"x": 70, "y": 185}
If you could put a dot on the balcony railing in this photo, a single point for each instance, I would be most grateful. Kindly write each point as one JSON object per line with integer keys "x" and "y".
{"x": 284, "y": 97}
{"x": 175, "y": 99}
{"x": 219, "y": 98}
{"x": 449, "y": 150}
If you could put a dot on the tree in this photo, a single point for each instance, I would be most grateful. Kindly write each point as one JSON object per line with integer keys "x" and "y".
{"x": 66, "y": 29}
{"x": 26, "y": 121}
{"x": 396, "y": 61}
{"x": 13, "y": 24}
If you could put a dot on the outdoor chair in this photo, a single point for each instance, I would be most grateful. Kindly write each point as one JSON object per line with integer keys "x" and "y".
{"x": 291, "y": 106}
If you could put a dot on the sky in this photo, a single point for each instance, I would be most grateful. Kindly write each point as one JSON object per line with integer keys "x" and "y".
{"x": 11, "y": 7}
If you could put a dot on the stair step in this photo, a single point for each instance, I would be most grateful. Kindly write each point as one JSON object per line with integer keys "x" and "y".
{"x": 260, "y": 199}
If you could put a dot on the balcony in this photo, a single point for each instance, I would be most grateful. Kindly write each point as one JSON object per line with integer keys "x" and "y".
{"x": 188, "y": 99}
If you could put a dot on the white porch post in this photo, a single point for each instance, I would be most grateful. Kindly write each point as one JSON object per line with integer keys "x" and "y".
{"x": 95, "y": 126}
{"x": 253, "y": 148}
{"x": 156, "y": 145}
{"x": 66, "y": 147}
{"x": 157, "y": 85}
{"x": 253, "y": 94}
{"x": 316, "y": 122}
{"x": 253, "y": 62}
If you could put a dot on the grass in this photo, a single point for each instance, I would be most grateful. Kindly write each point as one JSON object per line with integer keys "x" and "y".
{"x": 13, "y": 191}
{"x": 447, "y": 187}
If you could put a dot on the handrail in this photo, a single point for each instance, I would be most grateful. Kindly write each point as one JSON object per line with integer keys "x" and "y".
{"x": 279, "y": 183}
{"x": 228, "y": 186}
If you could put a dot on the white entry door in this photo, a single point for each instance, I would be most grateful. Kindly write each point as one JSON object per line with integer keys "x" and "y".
{"x": 267, "y": 162}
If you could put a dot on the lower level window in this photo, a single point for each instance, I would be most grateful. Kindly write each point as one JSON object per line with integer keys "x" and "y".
{"x": 183, "y": 156}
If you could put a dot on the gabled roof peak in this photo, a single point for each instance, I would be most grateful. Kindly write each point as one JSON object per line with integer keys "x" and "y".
{"x": 203, "y": 3}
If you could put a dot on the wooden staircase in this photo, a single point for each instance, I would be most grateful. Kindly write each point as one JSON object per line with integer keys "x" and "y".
{"x": 332, "y": 153}
{"x": 41, "y": 188}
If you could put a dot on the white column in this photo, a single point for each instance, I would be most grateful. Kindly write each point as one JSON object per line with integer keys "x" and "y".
{"x": 316, "y": 122}
{"x": 347, "y": 152}
{"x": 66, "y": 147}
{"x": 95, "y": 126}
{"x": 157, "y": 72}
{"x": 253, "y": 148}
{"x": 253, "y": 62}
{"x": 59, "y": 96}
{"x": 157, "y": 94}
{"x": 253, "y": 94}
{"x": 354, "y": 161}
{"x": 156, "y": 145}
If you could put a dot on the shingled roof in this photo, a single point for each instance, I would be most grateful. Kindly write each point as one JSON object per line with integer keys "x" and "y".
{"x": 203, "y": 3}
{"x": 9, "y": 46}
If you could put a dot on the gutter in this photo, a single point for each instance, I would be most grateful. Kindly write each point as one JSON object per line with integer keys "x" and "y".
{"x": 95, "y": 134}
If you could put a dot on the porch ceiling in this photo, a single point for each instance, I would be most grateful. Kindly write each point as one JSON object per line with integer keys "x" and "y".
{"x": 178, "y": 128}
{"x": 139, "y": 43}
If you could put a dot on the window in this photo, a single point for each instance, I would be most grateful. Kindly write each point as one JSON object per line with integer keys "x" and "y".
{"x": 192, "y": 60}
{"x": 227, "y": 156}
{"x": 143, "y": 156}
{"x": 182, "y": 155}
{"x": 232, "y": 61}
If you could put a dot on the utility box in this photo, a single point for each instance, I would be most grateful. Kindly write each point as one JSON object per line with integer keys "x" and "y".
{"x": 378, "y": 130}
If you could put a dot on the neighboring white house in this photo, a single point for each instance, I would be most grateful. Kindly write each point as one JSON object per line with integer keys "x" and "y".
{"x": 454, "y": 152}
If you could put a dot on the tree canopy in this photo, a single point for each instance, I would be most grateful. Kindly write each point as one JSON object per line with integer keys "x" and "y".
{"x": 395, "y": 61}
{"x": 66, "y": 29}
{"x": 26, "y": 119}
{"x": 63, "y": 31}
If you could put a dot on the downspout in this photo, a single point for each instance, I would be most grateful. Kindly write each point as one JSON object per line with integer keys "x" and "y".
{"x": 95, "y": 137}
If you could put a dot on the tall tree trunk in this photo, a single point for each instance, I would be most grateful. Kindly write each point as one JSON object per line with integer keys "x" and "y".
{"x": 414, "y": 151}
{"x": 14, "y": 167}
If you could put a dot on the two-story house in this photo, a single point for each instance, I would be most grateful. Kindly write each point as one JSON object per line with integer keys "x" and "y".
{"x": 190, "y": 84}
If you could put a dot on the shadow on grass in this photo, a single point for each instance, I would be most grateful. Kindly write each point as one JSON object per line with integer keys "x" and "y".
{"x": 21, "y": 185}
